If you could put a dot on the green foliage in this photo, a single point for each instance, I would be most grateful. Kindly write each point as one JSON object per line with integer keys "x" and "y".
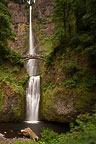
{"x": 79, "y": 12}
{"x": 90, "y": 17}
{"x": 47, "y": 86}
{"x": 49, "y": 136}
{"x": 83, "y": 40}
{"x": 15, "y": 58}
{"x": 25, "y": 142}
{"x": 4, "y": 10}
{"x": 42, "y": 21}
{"x": 18, "y": 1}
{"x": 5, "y": 35}
{"x": 78, "y": 45}
{"x": 82, "y": 133}
{"x": 62, "y": 15}
{"x": 90, "y": 50}
{"x": 75, "y": 25}
{"x": 70, "y": 84}
{"x": 49, "y": 58}
{"x": 71, "y": 67}
{"x": 35, "y": 15}
{"x": 5, "y": 31}
{"x": 24, "y": 80}
{"x": 14, "y": 78}
{"x": 86, "y": 131}
{"x": 81, "y": 79}
{"x": 89, "y": 81}
{"x": 4, "y": 2}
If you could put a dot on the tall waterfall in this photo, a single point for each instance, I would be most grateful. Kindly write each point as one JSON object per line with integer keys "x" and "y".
{"x": 33, "y": 90}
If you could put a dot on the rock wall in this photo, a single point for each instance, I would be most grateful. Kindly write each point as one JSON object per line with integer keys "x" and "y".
{"x": 13, "y": 77}
{"x": 64, "y": 95}
{"x": 19, "y": 25}
{"x": 42, "y": 24}
{"x": 13, "y": 81}
{"x": 62, "y": 99}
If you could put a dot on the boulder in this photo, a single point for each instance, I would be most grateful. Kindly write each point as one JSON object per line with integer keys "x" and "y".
{"x": 29, "y": 133}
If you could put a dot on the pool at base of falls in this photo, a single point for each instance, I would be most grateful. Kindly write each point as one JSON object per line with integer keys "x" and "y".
{"x": 13, "y": 130}
{"x": 31, "y": 122}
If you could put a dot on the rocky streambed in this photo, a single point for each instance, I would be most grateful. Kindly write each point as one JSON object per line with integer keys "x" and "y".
{"x": 4, "y": 140}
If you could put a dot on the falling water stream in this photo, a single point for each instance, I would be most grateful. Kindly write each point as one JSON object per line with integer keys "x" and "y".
{"x": 33, "y": 90}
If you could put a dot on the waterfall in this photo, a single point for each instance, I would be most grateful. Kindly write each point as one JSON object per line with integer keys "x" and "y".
{"x": 33, "y": 90}
{"x": 32, "y": 98}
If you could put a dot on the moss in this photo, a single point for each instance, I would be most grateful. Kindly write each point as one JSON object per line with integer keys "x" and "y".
{"x": 49, "y": 98}
{"x": 80, "y": 100}
{"x": 18, "y": 112}
{"x": 66, "y": 75}
{"x": 84, "y": 100}
{"x": 1, "y": 98}
{"x": 42, "y": 21}
{"x": 13, "y": 81}
{"x": 69, "y": 81}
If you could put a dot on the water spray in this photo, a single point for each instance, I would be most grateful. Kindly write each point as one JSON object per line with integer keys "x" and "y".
{"x": 30, "y": 2}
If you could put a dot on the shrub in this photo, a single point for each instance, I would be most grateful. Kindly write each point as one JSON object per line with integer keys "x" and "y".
{"x": 15, "y": 58}
{"x": 84, "y": 132}
{"x": 71, "y": 68}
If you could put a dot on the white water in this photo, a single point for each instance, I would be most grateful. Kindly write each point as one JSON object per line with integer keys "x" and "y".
{"x": 33, "y": 90}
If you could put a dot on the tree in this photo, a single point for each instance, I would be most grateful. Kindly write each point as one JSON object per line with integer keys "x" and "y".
{"x": 63, "y": 17}
{"x": 90, "y": 17}
{"x": 5, "y": 30}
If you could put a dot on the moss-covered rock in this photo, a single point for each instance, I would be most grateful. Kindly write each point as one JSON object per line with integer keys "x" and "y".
{"x": 13, "y": 76}
{"x": 13, "y": 81}
{"x": 68, "y": 77}
{"x": 57, "y": 105}
{"x": 68, "y": 89}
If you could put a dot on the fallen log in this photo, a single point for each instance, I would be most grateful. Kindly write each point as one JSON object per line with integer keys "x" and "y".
{"x": 29, "y": 133}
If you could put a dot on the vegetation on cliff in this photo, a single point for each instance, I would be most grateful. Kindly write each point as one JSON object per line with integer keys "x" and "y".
{"x": 5, "y": 30}
{"x": 13, "y": 76}
{"x": 69, "y": 74}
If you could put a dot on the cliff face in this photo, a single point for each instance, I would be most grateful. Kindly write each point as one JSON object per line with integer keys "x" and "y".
{"x": 13, "y": 81}
{"x": 13, "y": 77}
{"x": 66, "y": 90}
{"x": 42, "y": 24}
{"x": 19, "y": 25}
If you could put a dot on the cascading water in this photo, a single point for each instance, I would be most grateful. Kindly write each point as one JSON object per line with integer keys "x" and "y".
{"x": 33, "y": 90}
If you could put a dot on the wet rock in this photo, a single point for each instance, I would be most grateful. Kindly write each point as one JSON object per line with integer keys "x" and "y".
{"x": 19, "y": 22}
{"x": 10, "y": 103}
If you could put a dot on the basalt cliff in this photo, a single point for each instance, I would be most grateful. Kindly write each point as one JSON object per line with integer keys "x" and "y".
{"x": 67, "y": 88}
{"x": 13, "y": 75}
